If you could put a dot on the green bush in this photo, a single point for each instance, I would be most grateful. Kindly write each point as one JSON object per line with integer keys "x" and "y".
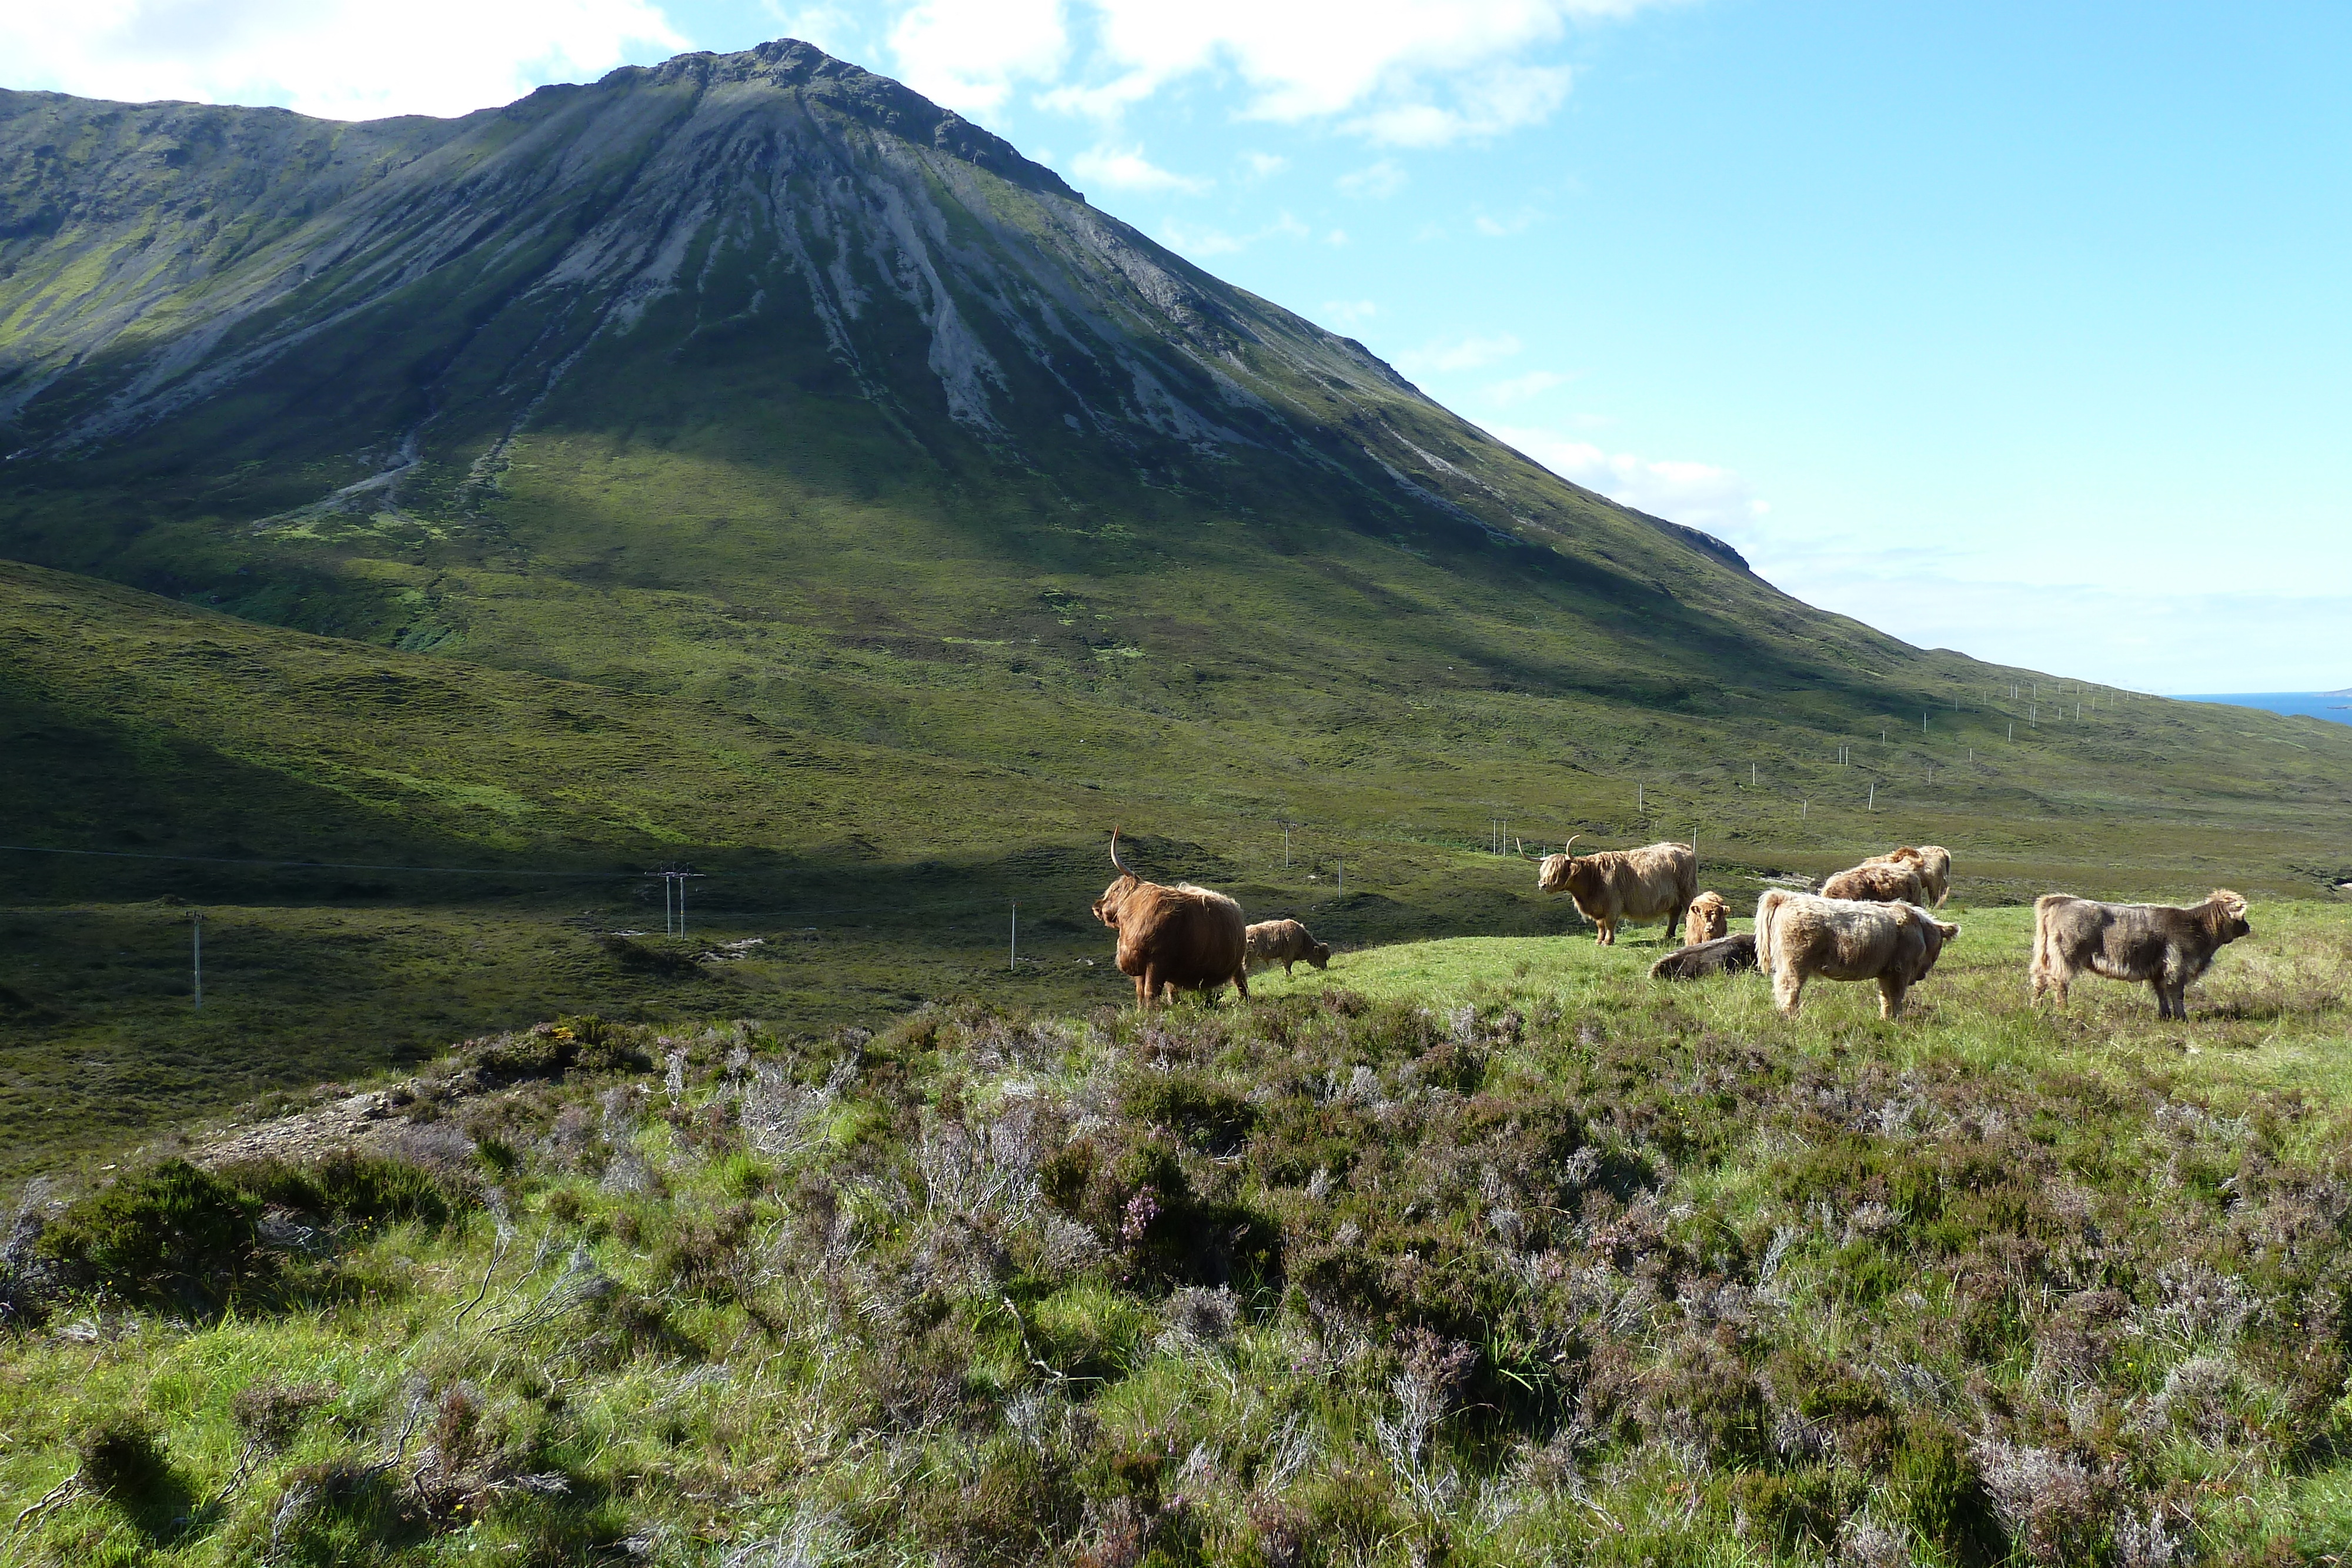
{"x": 349, "y": 1189}
{"x": 174, "y": 1237}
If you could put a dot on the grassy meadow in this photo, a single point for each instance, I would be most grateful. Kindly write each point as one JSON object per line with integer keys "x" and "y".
{"x": 393, "y": 850}
{"x": 1480, "y": 1251}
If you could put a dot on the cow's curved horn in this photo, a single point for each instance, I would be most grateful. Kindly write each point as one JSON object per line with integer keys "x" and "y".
{"x": 1569, "y": 849}
{"x": 1114, "y": 854}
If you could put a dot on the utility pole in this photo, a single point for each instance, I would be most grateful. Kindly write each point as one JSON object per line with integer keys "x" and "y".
{"x": 196, "y": 953}
{"x": 1013, "y": 951}
{"x": 1343, "y": 879}
{"x": 674, "y": 877}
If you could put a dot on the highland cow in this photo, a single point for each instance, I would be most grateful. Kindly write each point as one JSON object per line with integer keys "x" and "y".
{"x": 1799, "y": 935}
{"x": 2161, "y": 946}
{"x": 1877, "y": 881}
{"x": 1612, "y": 886}
{"x": 1724, "y": 956}
{"x": 1708, "y": 918}
{"x": 1934, "y": 863}
{"x": 1170, "y": 938}
{"x": 1283, "y": 942}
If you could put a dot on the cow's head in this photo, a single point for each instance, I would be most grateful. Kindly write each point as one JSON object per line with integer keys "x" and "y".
{"x": 1114, "y": 898}
{"x": 1711, "y": 917}
{"x": 2229, "y": 915}
{"x": 1937, "y": 932}
{"x": 1559, "y": 872}
{"x": 1319, "y": 954}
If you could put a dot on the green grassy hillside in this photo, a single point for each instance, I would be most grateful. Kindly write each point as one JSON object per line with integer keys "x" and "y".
{"x": 1481, "y": 1252}
{"x": 876, "y": 874}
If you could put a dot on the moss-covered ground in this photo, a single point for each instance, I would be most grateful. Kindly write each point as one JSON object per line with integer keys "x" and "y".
{"x": 1469, "y": 1251}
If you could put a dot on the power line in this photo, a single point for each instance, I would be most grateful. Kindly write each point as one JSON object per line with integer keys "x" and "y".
{"x": 312, "y": 865}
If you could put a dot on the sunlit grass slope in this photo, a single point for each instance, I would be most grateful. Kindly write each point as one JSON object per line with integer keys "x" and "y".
{"x": 2273, "y": 1015}
{"x": 877, "y": 872}
{"x": 1475, "y": 1252}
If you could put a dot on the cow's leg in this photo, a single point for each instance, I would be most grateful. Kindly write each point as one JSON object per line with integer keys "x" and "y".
{"x": 1147, "y": 985}
{"x": 1241, "y": 982}
{"x": 1890, "y": 997}
{"x": 1787, "y": 989}
{"x": 1673, "y": 923}
{"x": 1285, "y": 967}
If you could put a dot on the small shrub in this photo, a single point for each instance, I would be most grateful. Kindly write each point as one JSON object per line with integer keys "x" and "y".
{"x": 269, "y": 1413}
{"x": 1938, "y": 1492}
{"x": 350, "y": 1190}
{"x": 174, "y": 1237}
{"x": 1795, "y": 1508}
{"x": 705, "y": 1254}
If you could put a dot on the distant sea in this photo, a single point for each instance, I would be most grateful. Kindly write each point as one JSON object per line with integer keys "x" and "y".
{"x": 2336, "y": 705}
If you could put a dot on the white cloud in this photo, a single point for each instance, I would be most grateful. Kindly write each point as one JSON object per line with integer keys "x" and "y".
{"x": 1337, "y": 236}
{"x": 842, "y": 31}
{"x": 1699, "y": 493}
{"x": 1458, "y": 354}
{"x": 2185, "y": 641}
{"x": 1518, "y": 388}
{"x": 1375, "y": 180}
{"x": 1406, "y": 73}
{"x": 1130, "y": 170}
{"x": 1348, "y": 312}
{"x": 1195, "y": 241}
{"x": 969, "y": 55}
{"x": 1487, "y": 103}
{"x": 1503, "y": 228}
{"x": 337, "y": 59}
{"x": 1264, "y": 165}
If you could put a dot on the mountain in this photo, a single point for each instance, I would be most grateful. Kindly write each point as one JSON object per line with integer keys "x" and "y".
{"x": 760, "y": 380}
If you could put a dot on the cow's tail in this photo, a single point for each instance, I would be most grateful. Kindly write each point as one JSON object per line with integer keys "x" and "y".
{"x": 2045, "y": 942}
{"x": 1766, "y": 907}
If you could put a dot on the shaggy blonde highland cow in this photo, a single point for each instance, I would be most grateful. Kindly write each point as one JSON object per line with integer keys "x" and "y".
{"x": 1798, "y": 937}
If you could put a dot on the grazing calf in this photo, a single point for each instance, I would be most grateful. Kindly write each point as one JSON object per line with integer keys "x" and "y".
{"x": 1285, "y": 942}
{"x": 1798, "y": 937}
{"x": 1879, "y": 882}
{"x": 1935, "y": 866}
{"x": 1724, "y": 956}
{"x": 1612, "y": 886}
{"x": 2159, "y": 945}
{"x": 1708, "y": 918}
{"x": 1181, "y": 937}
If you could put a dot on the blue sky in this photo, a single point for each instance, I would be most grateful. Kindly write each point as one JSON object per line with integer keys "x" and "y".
{"x": 2015, "y": 328}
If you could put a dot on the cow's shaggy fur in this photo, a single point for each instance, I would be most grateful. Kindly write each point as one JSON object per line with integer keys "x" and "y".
{"x": 2162, "y": 946}
{"x": 1724, "y": 956}
{"x": 1799, "y": 935}
{"x": 1879, "y": 882}
{"x": 1173, "y": 938}
{"x": 1934, "y": 863}
{"x": 1708, "y": 918}
{"x": 1285, "y": 942}
{"x": 1613, "y": 887}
